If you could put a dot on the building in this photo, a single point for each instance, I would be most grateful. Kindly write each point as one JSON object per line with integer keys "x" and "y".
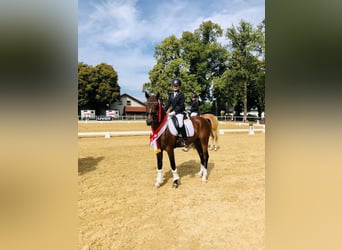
{"x": 130, "y": 107}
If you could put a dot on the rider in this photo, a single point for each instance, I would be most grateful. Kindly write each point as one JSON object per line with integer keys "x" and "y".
{"x": 175, "y": 101}
{"x": 194, "y": 106}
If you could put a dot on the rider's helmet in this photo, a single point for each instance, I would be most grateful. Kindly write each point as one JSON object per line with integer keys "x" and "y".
{"x": 176, "y": 81}
{"x": 193, "y": 96}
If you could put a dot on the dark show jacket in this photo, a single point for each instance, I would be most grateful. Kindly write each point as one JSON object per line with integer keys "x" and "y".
{"x": 194, "y": 107}
{"x": 176, "y": 103}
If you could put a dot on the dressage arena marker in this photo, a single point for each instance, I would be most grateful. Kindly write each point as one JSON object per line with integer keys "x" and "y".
{"x": 251, "y": 130}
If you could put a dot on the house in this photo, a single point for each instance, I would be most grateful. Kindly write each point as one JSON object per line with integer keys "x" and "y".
{"x": 130, "y": 107}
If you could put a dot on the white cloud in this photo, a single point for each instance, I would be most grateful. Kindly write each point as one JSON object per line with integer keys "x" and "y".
{"x": 124, "y": 33}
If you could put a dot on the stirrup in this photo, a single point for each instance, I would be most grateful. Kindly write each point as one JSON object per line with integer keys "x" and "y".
{"x": 186, "y": 147}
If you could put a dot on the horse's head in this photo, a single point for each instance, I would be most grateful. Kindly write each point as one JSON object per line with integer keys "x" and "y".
{"x": 153, "y": 109}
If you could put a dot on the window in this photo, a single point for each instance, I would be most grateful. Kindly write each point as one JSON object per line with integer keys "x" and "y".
{"x": 128, "y": 103}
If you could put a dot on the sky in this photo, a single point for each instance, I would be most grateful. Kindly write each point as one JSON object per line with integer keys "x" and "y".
{"x": 124, "y": 33}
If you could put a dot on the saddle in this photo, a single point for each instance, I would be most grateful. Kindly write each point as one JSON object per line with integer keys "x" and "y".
{"x": 174, "y": 127}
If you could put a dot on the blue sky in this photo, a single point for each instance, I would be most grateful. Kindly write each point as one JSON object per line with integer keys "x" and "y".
{"x": 123, "y": 33}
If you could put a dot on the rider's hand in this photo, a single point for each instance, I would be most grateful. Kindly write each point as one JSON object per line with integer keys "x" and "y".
{"x": 172, "y": 113}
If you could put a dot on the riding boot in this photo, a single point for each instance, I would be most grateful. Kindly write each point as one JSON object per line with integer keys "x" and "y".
{"x": 185, "y": 139}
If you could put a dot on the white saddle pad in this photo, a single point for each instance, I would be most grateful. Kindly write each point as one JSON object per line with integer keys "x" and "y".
{"x": 189, "y": 128}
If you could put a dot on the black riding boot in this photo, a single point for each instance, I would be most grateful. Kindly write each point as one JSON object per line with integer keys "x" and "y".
{"x": 185, "y": 138}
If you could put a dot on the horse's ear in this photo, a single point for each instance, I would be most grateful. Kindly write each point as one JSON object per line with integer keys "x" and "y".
{"x": 158, "y": 95}
{"x": 147, "y": 95}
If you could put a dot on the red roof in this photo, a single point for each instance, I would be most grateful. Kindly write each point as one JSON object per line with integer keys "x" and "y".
{"x": 135, "y": 109}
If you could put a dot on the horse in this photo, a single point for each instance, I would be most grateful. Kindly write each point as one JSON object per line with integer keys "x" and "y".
{"x": 163, "y": 140}
{"x": 214, "y": 128}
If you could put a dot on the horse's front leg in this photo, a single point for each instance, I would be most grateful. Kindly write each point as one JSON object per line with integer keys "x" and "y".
{"x": 175, "y": 175}
{"x": 160, "y": 177}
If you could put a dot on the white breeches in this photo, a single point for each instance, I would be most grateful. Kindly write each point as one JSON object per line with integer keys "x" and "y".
{"x": 194, "y": 114}
{"x": 180, "y": 118}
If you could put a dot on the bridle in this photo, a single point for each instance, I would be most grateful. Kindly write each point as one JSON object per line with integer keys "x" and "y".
{"x": 155, "y": 114}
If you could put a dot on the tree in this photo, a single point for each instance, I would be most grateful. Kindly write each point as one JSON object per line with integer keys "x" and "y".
{"x": 212, "y": 58}
{"x": 245, "y": 75}
{"x": 86, "y": 88}
{"x": 259, "y": 88}
{"x": 97, "y": 86}
{"x": 232, "y": 76}
{"x": 195, "y": 58}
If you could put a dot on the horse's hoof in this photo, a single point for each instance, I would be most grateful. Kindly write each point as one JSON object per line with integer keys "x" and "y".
{"x": 157, "y": 184}
{"x": 175, "y": 184}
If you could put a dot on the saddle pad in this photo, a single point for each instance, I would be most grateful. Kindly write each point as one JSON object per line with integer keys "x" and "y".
{"x": 189, "y": 128}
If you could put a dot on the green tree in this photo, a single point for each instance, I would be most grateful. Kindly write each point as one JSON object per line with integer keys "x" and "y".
{"x": 97, "y": 86}
{"x": 195, "y": 58}
{"x": 169, "y": 65}
{"x": 245, "y": 74}
{"x": 86, "y": 85}
{"x": 259, "y": 88}
{"x": 232, "y": 76}
{"x": 212, "y": 57}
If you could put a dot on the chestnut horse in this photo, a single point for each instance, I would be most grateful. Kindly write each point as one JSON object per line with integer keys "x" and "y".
{"x": 214, "y": 129}
{"x": 162, "y": 139}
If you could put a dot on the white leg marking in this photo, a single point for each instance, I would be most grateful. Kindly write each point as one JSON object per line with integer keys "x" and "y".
{"x": 175, "y": 175}
{"x": 204, "y": 176}
{"x": 200, "y": 173}
{"x": 159, "y": 179}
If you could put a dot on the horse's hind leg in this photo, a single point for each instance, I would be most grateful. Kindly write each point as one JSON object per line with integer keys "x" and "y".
{"x": 212, "y": 144}
{"x": 204, "y": 157}
{"x": 216, "y": 146}
{"x": 175, "y": 175}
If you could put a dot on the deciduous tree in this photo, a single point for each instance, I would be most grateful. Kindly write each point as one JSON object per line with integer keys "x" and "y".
{"x": 97, "y": 86}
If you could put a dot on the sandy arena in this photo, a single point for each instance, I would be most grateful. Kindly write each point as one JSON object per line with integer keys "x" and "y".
{"x": 119, "y": 207}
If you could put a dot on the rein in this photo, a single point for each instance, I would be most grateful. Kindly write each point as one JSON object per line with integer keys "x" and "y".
{"x": 159, "y": 111}
{"x": 162, "y": 125}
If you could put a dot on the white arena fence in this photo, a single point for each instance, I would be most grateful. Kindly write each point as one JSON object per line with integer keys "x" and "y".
{"x": 109, "y": 134}
{"x": 143, "y": 117}
{"x": 249, "y": 130}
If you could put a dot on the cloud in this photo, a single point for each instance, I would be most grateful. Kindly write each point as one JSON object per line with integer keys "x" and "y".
{"x": 123, "y": 33}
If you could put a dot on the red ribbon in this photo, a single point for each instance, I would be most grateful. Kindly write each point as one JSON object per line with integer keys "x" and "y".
{"x": 154, "y": 134}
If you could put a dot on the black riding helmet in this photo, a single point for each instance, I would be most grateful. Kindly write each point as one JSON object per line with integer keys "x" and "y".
{"x": 176, "y": 81}
{"x": 193, "y": 96}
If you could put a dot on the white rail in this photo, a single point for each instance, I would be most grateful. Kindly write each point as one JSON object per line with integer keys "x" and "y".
{"x": 222, "y": 131}
{"x": 109, "y": 134}
{"x": 122, "y": 133}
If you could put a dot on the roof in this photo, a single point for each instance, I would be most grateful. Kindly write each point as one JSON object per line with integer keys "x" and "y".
{"x": 133, "y": 98}
{"x": 135, "y": 109}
